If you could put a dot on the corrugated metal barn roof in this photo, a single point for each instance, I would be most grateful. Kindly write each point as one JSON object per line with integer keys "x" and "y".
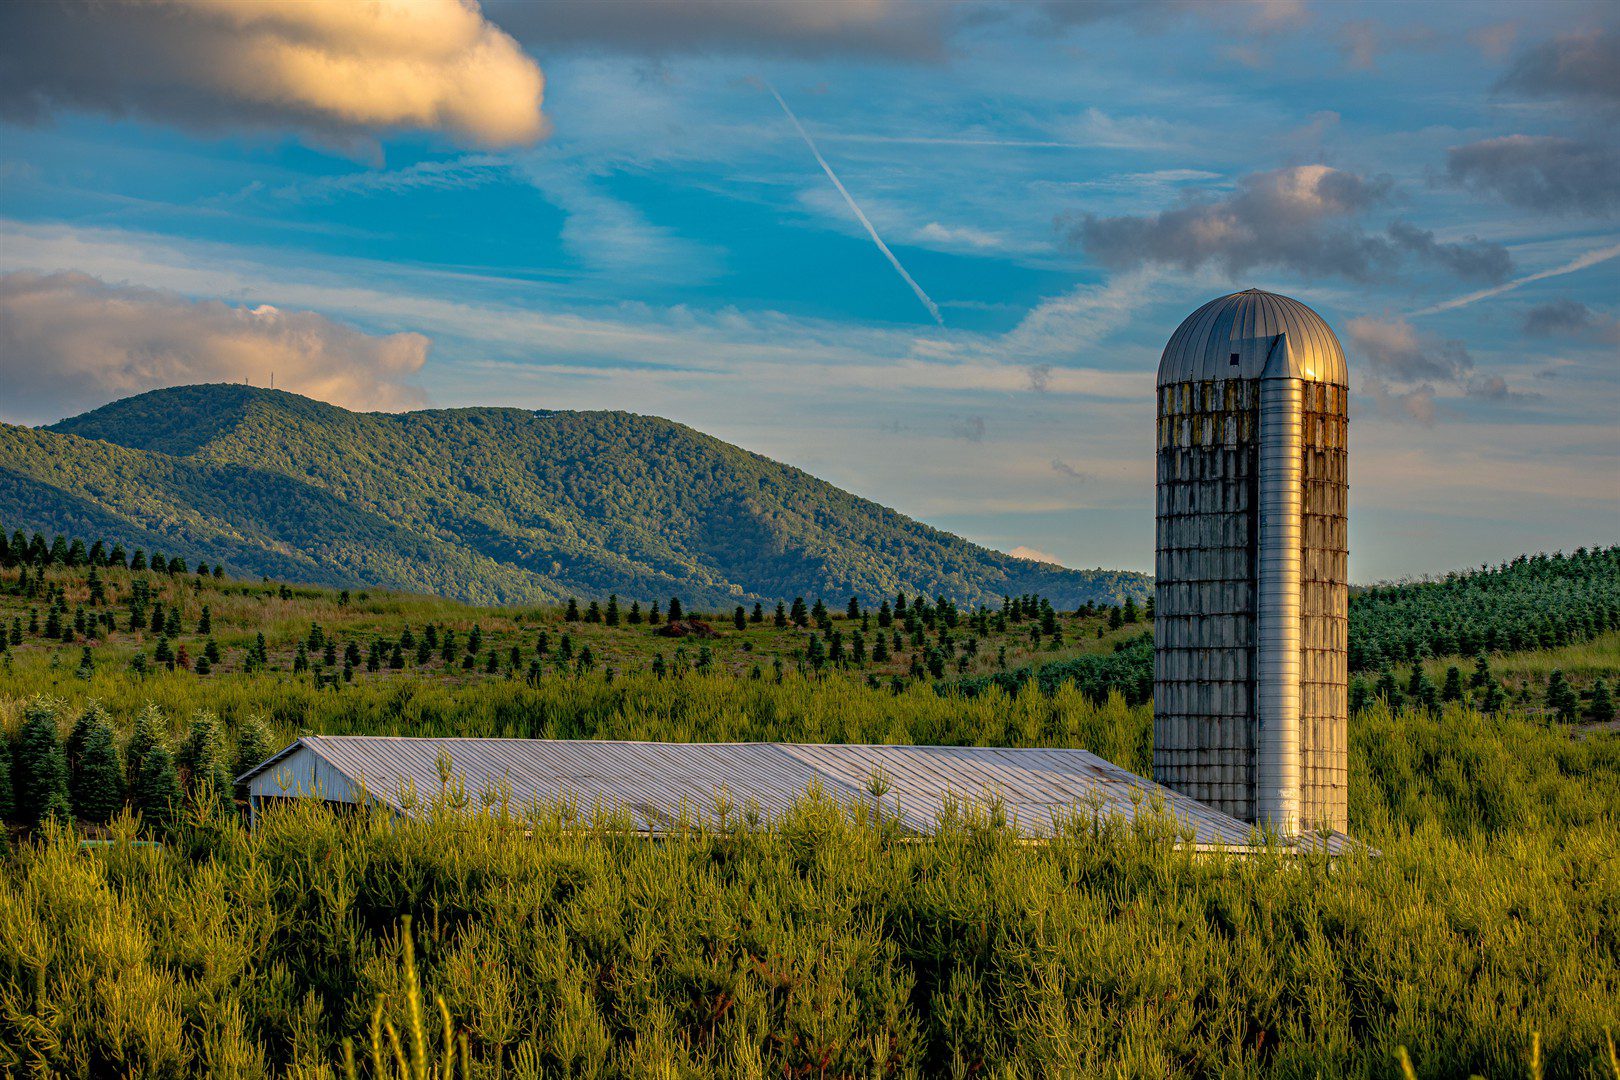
{"x": 653, "y": 781}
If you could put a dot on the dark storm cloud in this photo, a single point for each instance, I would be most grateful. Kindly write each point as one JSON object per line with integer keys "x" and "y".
{"x": 1474, "y": 260}
{"x": 1579, "y": 66}
{"x": 1397, "y": 351}
{"x": 1571, "y": 319}
{"x": 971, "y": 428}
{"x": 1405, "y": 365}
{"x": 1251, "y": 16}
{"x": 1063, "y": 468}
{"x": 1549, "y": 173}
{"x": 915, "y": 29}
{"x": 1302, "y": 219}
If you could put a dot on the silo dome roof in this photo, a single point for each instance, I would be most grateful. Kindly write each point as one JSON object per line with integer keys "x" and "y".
{"x": 1256, "y": 327}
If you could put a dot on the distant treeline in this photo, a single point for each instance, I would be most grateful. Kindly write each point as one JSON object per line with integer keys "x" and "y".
{"x": 1532, "y": 602}
{"x": 72, "y": 552}
{"x": 1128, "y": 671}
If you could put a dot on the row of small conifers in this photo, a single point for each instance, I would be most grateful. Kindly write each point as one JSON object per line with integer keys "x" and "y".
{"x": 822, "y": 945}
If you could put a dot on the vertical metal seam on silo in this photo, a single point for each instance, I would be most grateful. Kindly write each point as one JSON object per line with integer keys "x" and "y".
{"x": 1277, "y": 607}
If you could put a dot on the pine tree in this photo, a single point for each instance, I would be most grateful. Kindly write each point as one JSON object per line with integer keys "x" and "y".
{"x": 610, "y": 615}
{"x": 1115, "y": 618}
{"x": 758, "y": 615}
{"x": 781, "y": 619}
{"x": 816, "y": 652}
{"x": 572, "y": 614}
{"x": 40, "y": 774}
{"x": 1601, "y": 709}
{"x": 1388, "y": 689}
{"x": 593, "y": 614}
{"x": 800, "y": 615}
{"x": 7, "y": 802}
{"x": 880, "y": 649}
{"x": 1452, "y": 690}
{"x": 675, "y": 612}
{"x": 156, "y": 790}
{"x": 96, "y": 774}
{"x": 87, "y": 665}
{"x": 150, "y": 728}
{"x": 1130, "y": 615}
{"x": 1561, "y": 697}
{"x": 205, "y": 622}
{"x": 853, "y": 611}
{"x": 653, "y": 617}
{"x": 739, "y": 618}
{"x": 635, "y": 613}
{"x": 202, "y": 759}
{"x": 97, "y": 587}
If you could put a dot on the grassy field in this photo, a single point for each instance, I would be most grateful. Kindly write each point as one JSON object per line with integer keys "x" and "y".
{"x": 817, "y": 945}
{"x": 820, "y": 945}
{"x": 940, "y": 643}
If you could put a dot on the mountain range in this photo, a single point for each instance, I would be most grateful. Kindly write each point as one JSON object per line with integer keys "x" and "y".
{"x": 487, "y": 505}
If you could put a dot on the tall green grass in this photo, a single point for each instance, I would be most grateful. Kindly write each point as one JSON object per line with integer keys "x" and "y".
{"x": 819, "y": 945}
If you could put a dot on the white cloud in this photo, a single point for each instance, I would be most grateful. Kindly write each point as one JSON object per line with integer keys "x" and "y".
{"x": 334, "y": 68}
{"x": 70, "y": 341}
{"x": 1024, "y": 551}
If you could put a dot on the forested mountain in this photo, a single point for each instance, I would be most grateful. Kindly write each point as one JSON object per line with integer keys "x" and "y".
{"x": 487, "y": 505}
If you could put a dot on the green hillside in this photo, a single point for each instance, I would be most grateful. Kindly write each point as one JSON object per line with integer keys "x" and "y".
{"x": 1483, "y": 938}
{"x": 487, "y": 505}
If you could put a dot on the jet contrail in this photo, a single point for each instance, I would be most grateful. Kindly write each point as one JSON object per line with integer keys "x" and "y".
{"x": 933, "y": 308}
{"x": 1591, "y": 258}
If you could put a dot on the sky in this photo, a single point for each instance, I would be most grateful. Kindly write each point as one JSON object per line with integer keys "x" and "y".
{"x": 929, "y": 252}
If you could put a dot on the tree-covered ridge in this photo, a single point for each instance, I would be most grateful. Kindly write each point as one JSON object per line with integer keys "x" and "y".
{"x": 489, "y": 505}
{"x": 1532, "y": 602}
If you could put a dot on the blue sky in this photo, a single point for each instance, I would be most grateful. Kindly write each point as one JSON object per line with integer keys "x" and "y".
{"x": 417, "y": 223}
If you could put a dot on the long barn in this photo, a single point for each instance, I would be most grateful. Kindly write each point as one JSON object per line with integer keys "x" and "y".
{"x": 660, "y": 784}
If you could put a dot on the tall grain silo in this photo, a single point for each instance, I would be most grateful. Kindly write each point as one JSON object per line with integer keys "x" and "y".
{"x": 1250, "y": 704}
